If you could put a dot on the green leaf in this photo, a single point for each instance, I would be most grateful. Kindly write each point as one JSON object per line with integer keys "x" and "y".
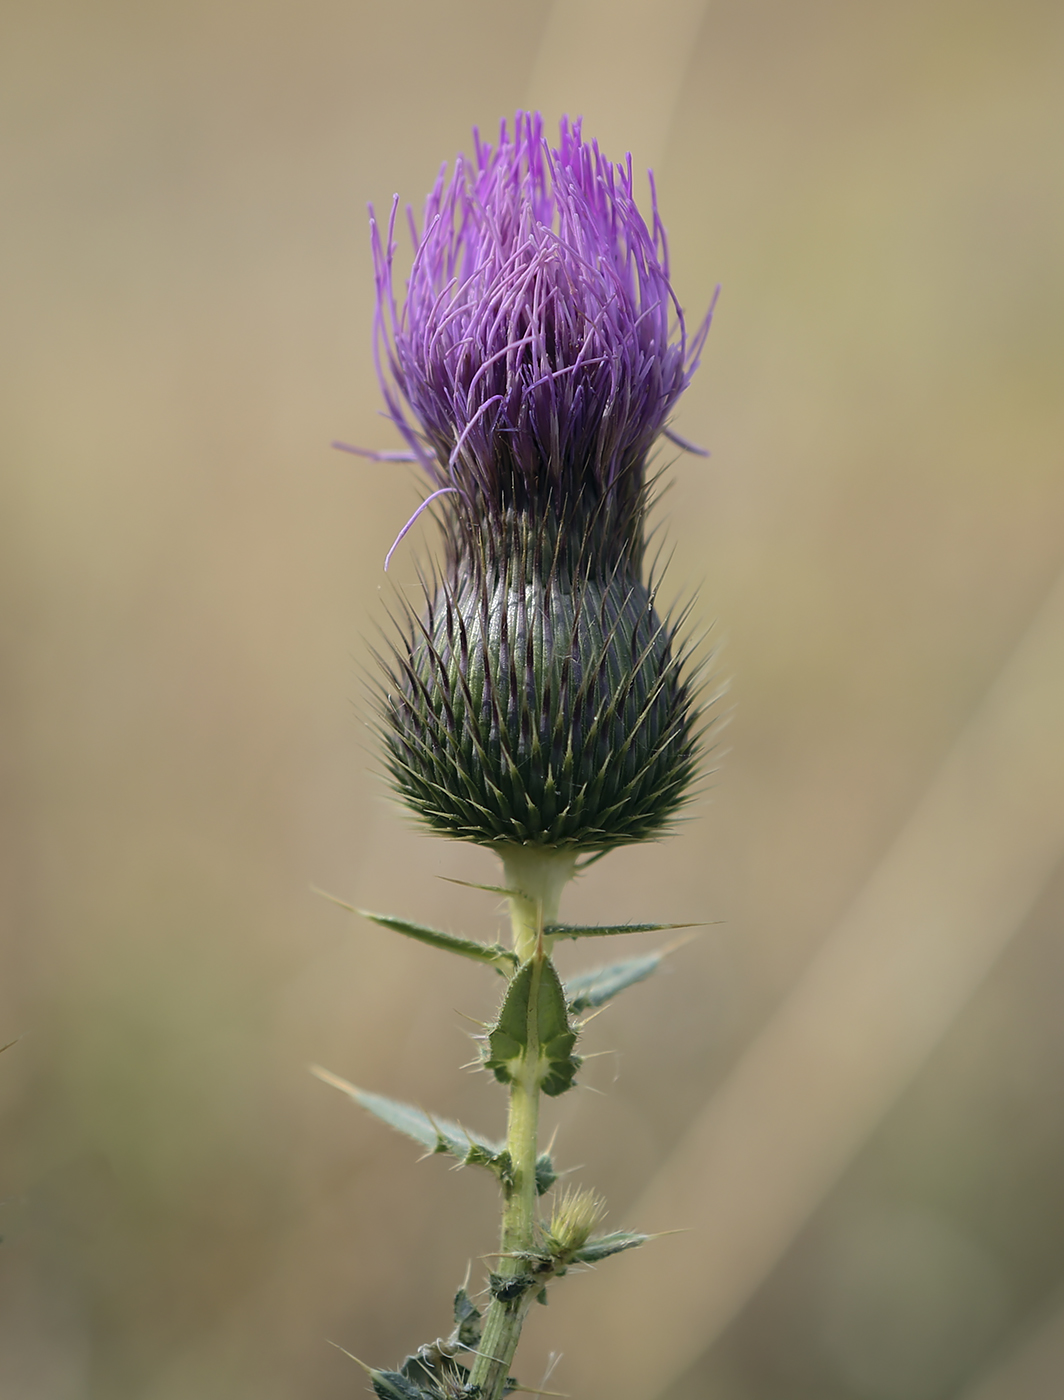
{"x": 508, "y": 1038}
{"x": 418, "y": 1371}
{"x": 493, "y": 953}
{"x": 433, "y": 1134}
{"x": 604, "y": 930}
{"x": 440, "y": 1134}
{"x": 605, "y": 1245}
{"x": 546, "y": 1176}
{"x": 390, "y": 1385}
{"x": 466, "y": 1320}
{"x": 590, "y": 989}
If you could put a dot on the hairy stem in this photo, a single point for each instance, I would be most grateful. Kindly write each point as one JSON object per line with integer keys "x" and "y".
{"x": 506, "y": 1312}
{"x": 536, "y": 877}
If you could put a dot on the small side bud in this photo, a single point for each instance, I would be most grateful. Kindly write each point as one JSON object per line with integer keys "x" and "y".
{"x": 575, "y": 1217}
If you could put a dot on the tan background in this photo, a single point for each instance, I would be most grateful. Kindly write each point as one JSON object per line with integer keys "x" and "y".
{"x": 189, "y": 576}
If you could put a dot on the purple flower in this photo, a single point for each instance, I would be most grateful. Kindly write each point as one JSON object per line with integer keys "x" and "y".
{"x": 538, "y": 697}
{"x": 540, "y": 349}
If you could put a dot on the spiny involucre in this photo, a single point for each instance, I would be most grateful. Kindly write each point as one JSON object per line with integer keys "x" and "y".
{"x": 537, "y": 697}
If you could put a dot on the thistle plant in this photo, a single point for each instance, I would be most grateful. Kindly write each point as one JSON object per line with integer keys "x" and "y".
{"x": 533, "y": 699}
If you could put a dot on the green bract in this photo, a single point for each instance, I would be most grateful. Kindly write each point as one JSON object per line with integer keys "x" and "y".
{"x": 534, "y": 702}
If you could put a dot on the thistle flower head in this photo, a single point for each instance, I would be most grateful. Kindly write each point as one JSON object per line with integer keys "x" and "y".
{"x": 537, "y": 697}
{"x": 540, "y": 349}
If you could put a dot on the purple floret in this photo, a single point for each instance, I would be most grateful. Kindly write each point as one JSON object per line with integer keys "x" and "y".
{"x": 540, "y": 349}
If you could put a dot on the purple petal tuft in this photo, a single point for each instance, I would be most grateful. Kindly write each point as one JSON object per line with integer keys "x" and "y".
{"x": 540, "y": 348}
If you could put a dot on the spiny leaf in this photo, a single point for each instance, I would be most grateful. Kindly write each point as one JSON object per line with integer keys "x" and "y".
{"x": 605, "y": 930}
{"x": 587, "y": 990}
{"x": 546, "y": 1176}
{"x": 467, "y": 1320}
{"x": 508, "y": 1039}
{"x": 388, "y": 1385}
{"x": 420, "y": 1369}
{"x": 605, "y": 1245}
{"x": 438, "y": 1135}
{"x": 433, "y": 1134}
{"x": 590, "y": 989}
{"x": 493, "y": 953}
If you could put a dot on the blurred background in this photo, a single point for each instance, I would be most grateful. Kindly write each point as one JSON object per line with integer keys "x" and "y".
{"x": 191, "y": 584}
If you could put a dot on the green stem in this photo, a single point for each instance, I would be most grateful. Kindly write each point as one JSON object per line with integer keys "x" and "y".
{"x": 536, "y": 876}
{"x": 506, "y": 1314}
